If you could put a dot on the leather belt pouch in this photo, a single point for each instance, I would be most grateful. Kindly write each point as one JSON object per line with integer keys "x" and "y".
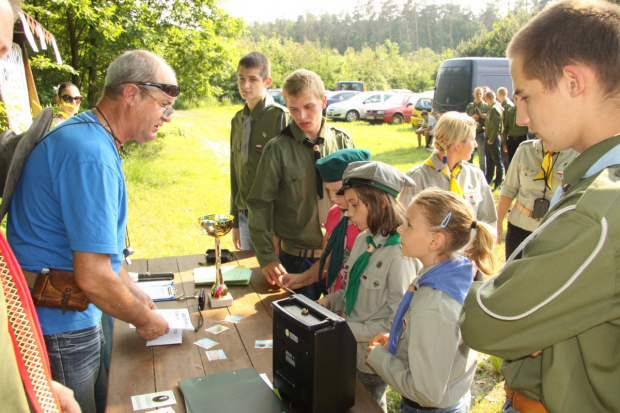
{"x": 58, "y": 289}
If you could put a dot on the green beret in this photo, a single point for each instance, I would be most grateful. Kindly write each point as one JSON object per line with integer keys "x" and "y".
{"x": 333, "y": 165}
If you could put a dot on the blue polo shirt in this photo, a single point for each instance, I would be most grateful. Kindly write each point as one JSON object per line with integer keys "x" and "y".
{"x": 71, "y": 196}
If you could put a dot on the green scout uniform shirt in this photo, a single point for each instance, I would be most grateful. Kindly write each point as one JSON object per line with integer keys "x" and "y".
{"x": 507, "y": 103}
{"x": 579, "y": 330}
{"x": 474, "y": 108}
{"x": 493, "y": 122}
{"x": 266, "y": 124}
{"x": 284, "y": 199}
{"x": 511, "y": 129}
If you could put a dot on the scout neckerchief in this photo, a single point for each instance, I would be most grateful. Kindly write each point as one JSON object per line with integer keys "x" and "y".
{"x": 359, "y": 266}
{"x": 454, "y": 185}
{"x": 452, "y": 276}
{"x": 335, "y": 246}
{"x": 247, "y": 128}
{"x": 26, "y": 334}
{"x": 547, "y": 168}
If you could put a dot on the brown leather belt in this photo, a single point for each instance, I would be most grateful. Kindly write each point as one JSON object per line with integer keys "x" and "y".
{"x": 522, "y": 403}
{"x": 304, "y": 253}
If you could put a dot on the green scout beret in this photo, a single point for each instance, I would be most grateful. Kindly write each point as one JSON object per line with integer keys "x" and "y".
{"x": 333, "y": 165}
{"x": 377, "y": 174}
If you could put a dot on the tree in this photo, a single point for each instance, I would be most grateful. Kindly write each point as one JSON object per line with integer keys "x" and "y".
{"x": 195, "y": 37}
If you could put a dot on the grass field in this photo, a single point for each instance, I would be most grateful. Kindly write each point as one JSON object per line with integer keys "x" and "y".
{"x": 185, "y": 174}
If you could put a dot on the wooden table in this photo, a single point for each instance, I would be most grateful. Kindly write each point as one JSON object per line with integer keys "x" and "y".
{"x": 136, "y": 369}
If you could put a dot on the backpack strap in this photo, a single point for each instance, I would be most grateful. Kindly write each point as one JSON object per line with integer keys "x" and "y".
{"x": 14, "y": 150}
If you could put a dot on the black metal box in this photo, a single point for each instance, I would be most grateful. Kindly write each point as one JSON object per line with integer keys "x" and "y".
{"x": 314, "y": 354}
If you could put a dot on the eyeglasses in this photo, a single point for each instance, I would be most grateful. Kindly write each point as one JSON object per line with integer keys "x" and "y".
{"x": 171, "y": 90}
{"x": 70, "y": 99}
{"x": 168, "y": 110}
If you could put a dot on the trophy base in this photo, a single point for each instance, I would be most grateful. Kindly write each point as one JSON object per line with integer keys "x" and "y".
{"x": 225, "y": 301}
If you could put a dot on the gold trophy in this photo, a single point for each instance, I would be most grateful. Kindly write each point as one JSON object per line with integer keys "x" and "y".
{"x": 218, "y": 225}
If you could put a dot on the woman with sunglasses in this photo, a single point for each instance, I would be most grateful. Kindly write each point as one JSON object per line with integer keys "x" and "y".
{"x": 68, "y": 100}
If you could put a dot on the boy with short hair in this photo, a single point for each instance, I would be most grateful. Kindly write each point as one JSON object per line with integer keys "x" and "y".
{"x": 478, "y": 111}
{"x": 493, "y": 143}
{"x": 259, "y": 121}
{"x": 288, "y": 203}
{"x": 554, "y": 314}
{"x": 427, "y": 129}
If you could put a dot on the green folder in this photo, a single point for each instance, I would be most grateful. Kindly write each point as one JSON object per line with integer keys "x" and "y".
{"x": 231, "y": 391}
{"x": 231, "y": 275}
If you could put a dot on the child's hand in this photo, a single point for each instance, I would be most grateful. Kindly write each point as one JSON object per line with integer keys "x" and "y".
{"x": 295, "y": 281}
{"x": 380, "y": 339}
{"x": 324, "y": 301}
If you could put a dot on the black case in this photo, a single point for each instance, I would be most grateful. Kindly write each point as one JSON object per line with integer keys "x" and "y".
{"x": 314, "y": 355}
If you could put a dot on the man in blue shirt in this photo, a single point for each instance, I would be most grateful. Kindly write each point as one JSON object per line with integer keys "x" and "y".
{"x": 69, "y": 212}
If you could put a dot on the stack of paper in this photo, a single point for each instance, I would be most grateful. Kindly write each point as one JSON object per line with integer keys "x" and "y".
{"x": 159, "y": 290}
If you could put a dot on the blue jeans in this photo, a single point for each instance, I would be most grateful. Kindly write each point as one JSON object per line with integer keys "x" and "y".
{"x": 495, "y": 165}
{"x": 76, "y": 360}
{"x": 462, "y": 406}
{"x": 507, "y": 407}
{"x": 482, "y": 160}
{"x": 244, "y": 231}
{"x": 375, "y": 386}
{"x": 297, "y": 265}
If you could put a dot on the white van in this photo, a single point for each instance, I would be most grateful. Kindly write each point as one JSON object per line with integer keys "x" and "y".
{"x": 457, "y": 79}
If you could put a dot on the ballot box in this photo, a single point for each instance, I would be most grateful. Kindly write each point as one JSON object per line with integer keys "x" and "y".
{"x": 314, "y": 353}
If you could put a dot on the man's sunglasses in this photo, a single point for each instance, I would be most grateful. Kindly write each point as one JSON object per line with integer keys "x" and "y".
{"x": 70, "y": 99}
{"x": 201, "y": 305}
{"x": 170, "y": 90}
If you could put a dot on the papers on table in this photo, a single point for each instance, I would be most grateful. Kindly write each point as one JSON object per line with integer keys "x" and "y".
{"x": 159, "y": 290}
{"x": 216, "y": 329}
{"x": 159, "y": 399}
{"x": 174, "y": 336}
{"x": 231, "y": 275}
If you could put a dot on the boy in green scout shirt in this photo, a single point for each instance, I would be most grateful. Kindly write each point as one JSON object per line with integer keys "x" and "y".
{"x": 514, "y": 134}
{"x": 478, "y": 111}
{"x": 493, "y": 142}
{"x": 260, "y": 120}
{"x": 288, "y": 201}
{"x": 554, "y": 314}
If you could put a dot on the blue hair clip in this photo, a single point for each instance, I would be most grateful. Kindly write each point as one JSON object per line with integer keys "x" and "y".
{"x": 445, "y": 221}
{"x": 445, "y": 159}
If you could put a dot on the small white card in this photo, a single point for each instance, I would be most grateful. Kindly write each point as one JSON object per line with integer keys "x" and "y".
{"x": 177, "y": 318}
{"x": 164, "y": 410}
{"x": 206, "y": 343}
{"x": 150, "y": 400}
{"x": 232, "y": 319}
{"x": 216, "y": 355}
{"x": 216, "y": 329}
{"x": 173, "y": 336}
{"x": 263, "y": 344}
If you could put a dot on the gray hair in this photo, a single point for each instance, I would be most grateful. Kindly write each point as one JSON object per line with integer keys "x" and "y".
{"x": 133, "y": 66}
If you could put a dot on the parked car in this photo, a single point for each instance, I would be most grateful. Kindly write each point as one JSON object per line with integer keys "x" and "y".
{"x": 350, "y": 110}
{"x": 350, "y": 85}
{"x": 424, "y": 102}
{"x": 395, "y": 110}
{"x": 401, "y": 91}
{"x": 339, "y": 96}
{"x": 277, "y": 96}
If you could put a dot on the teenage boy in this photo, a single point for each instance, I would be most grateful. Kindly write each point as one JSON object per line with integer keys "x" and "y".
{"x": 426, "y": 129}
{"x": 493, "y": 143}
{"x": 288, "y": 203}
{"x": 554, "y": 314}
{"x": 514, "y": 134}
{"x": 252, "y": 127}
{"x": 478, "y": 111}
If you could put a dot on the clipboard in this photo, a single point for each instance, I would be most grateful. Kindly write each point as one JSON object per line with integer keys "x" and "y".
{"x": 159, "y": 290}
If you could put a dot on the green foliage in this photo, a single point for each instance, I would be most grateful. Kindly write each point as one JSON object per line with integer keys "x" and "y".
{"x": 494, "y": 43}
{"x": 195, "y": 37}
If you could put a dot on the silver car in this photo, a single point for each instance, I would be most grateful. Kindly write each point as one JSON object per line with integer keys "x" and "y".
{"x": 351, "y": 109}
